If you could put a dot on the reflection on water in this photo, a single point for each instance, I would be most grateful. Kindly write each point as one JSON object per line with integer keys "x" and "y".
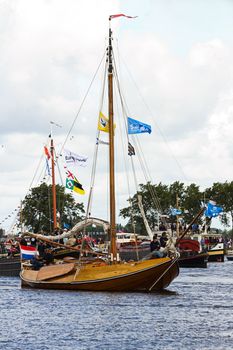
{"x": 194, "y": 313}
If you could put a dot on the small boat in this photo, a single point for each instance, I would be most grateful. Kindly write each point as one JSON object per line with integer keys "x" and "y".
{"x": 107, "y": 274}
{"x": 216, "y": 253}
{"x": 198, "y": 260}
{"x": 191, "y": 255}
{"x": 229, "y": 254}
{"x": 212, "y": 244}
{"x": 10, "y": 266}
{"x": 132, "y": 246}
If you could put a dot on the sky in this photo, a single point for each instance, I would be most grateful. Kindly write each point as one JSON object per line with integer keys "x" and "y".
{"x": 178, "y": 77}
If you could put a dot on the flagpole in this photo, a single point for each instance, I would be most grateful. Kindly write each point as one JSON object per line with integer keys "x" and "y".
{"x": 53, "y": 185}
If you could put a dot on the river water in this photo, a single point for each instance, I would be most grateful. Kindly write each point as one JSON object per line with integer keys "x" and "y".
{"x": 194, "y": 313}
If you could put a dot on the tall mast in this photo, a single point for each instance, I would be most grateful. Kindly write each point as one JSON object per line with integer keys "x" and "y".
{"x": 177, "y": 218}
{"x": 53, "y": 186}
{"x": 111, "y": 149}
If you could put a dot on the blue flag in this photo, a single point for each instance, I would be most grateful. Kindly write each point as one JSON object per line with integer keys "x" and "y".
{"x": 137, "y": 127}
{"x": 175, "y": 211}
{"x": 213, "y": 210}
{"x": 67, "y": 226}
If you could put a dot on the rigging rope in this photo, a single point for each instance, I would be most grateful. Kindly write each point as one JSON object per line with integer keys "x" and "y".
{"x": 81, "y": 105}
{"x": 157, "y": 126}
{"x": 141, "y": 158}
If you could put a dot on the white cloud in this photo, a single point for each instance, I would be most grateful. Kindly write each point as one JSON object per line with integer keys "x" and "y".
{"x": 50, "y": 51}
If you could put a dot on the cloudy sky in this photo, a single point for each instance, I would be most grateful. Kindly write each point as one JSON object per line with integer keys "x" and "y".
{"x": 178, "y": 77}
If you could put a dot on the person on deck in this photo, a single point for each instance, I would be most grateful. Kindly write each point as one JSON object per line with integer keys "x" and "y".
{"x": 173, "y": 227}
{"x": 154, "y": 244}
{"x": 41, "y": 248}
{"x": 61, "y": 240}
{"x": 163, "y": 240}
{"x": 48, "y": 256}
{"x": 33, "y": 241}
{"x": 23, "y": 241}
{"x": 36, "y": 263}
{"x": 155, "y": 248}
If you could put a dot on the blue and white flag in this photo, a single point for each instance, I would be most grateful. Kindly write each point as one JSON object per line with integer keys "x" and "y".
{"x": 47, "y": 167}
{"x": 175, "y": 211}
{"x": 213, "y": 210}
{"x": 137, "y": 127}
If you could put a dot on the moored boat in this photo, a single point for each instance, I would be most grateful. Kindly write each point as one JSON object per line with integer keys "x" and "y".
{"x": 191, "y": 255}
{"x": 198, "y": 260}
{"x": 229, "y": 254}
{"x": 230, "y": 257}
{"x": 216, "y": 253}
{"x": 9, "y": 260}
{"x": 10, "y": 266}
{"x": 211, "y": 243}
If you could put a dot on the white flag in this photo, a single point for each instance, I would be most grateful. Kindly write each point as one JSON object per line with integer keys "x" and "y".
{"x": 72, "y": 158}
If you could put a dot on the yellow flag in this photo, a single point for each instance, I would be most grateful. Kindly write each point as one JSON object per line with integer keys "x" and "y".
{"x": 78, "y": 188}
{"x": 103, "y": 123}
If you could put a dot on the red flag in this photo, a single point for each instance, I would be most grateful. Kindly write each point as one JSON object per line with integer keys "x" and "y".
{"x": 46, "y": 151}
{"x": 69, "y": 174}
{"x": 120, "y": 15}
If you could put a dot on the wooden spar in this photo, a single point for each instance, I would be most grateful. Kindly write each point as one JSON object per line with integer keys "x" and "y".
{"x": 56, "y": 244}
{"x": 111, "y": 151}
{"x": 53, "y": 187}
{"x": 190, "y": 225}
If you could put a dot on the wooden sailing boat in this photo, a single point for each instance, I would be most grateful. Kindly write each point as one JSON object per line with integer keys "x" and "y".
{"x": 112, "y": 275}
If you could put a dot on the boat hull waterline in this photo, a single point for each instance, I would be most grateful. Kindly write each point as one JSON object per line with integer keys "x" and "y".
{"x": 199, "y": 260}
{"x": 10, "y": 266}
{"x": 145, "y": 276}
{"x": 216, "y": 255}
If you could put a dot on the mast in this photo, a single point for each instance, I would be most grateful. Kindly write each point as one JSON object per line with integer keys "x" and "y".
{"x": 111, "y": 150}
{"x": 177, "y": 218}
{"x": 53, "y": 186}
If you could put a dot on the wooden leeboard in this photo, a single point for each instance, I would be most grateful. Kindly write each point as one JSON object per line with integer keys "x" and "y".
{"x": 52, "y": 271}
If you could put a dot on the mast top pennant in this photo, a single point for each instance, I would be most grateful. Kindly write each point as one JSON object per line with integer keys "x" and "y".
{"x": 120, "y": 15}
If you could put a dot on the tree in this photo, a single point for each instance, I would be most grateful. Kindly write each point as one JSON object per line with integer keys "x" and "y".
{"x": 192, "y": 202}
{"x": 160, "y": 198}
{"x": 155, "y": 198}
{"x": 176, "y": 192}
{"x": 37, "y": 208}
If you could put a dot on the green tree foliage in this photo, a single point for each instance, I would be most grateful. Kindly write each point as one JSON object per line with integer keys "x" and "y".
{"x": 37, "y": 208}
{"x": 150, "y": 194}
{"x": 160, "y": 198}
{"x": 176, "y": 193}
{"x": 192, "y": 199}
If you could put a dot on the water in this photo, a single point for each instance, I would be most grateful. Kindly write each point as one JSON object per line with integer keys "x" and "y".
{"x": 195, "y": 313}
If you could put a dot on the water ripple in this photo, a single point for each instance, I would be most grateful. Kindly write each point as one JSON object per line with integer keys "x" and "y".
{"x": 194, "y": 313}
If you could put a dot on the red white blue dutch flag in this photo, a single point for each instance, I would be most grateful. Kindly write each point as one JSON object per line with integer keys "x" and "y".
{"x": 27, "y": 252}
